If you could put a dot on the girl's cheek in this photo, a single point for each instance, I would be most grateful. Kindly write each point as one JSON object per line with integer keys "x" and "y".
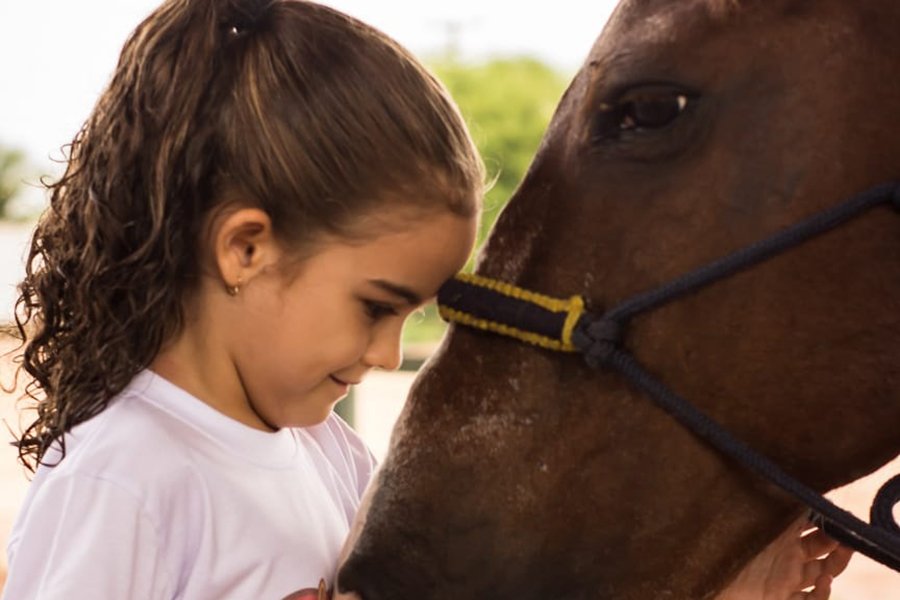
{"x": 354, "y": 342}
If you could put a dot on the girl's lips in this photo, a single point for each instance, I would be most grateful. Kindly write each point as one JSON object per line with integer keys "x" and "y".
{"x": 341, "y": 381}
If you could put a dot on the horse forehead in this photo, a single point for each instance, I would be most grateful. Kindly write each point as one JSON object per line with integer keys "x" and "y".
{"x": 677, "y": 16}
{"x": 647, "y": 24}
{"x": 670, "y": 32}
{"x": 714, "y": 9}
{"x": 669, "y": 19}
{"x": 662, "y": 15}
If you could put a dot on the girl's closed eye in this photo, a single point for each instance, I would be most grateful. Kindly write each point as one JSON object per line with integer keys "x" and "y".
{"x": 377, "y": 310}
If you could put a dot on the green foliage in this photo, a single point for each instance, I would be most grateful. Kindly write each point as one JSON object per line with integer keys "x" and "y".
{"x": 11, "y": 164}
{"x": 507, "y": 104}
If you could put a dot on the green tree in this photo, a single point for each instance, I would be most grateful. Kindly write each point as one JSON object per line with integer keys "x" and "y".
{"x": 12, "y": 163}
{"x": 507, "y": 104}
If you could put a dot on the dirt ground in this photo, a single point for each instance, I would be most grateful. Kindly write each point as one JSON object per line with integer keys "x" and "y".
{"x": 863, "y": 580}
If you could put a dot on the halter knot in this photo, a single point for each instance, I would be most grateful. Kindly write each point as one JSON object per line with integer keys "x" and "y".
{"x": 597, "y": 337}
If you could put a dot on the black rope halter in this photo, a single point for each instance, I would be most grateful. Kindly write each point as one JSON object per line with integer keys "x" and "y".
{"x": 564, "y": 325}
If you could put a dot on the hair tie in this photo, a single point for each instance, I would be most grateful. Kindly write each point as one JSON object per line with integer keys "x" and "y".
{"x": 245, "y": 17}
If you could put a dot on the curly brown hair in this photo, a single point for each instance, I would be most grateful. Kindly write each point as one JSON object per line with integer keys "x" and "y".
{"x": 297, "y": 109}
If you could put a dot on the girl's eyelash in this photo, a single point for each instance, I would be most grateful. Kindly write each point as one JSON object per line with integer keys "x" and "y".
{"x": 376, "y": 310}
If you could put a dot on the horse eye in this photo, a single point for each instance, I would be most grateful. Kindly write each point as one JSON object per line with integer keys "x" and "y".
{"x": 639, "y": 111}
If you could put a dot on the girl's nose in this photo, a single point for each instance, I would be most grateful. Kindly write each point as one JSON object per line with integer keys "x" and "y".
{"x": 384, "y": 352}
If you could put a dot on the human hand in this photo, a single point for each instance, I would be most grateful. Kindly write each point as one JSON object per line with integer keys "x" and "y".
{"x": 801, "y": 558}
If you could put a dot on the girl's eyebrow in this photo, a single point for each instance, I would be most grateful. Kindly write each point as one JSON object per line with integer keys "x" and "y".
{"x": 398, "y": 290}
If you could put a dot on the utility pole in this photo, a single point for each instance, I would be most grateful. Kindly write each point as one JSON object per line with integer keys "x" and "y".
{"x": 452, "y": 30}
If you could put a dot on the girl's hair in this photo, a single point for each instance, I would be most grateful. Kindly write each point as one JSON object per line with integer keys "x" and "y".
{"x": 287, "y": 105}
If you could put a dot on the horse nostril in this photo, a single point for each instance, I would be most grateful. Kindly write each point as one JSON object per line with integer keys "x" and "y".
{"x": 378, "y": 571}
{"x": 355, "y": 577}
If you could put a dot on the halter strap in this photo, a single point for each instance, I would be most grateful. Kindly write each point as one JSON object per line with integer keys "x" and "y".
{"x": 563, "y": 325}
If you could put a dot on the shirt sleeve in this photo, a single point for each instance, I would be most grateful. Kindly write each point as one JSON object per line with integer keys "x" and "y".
{"x": 84, "y": 537}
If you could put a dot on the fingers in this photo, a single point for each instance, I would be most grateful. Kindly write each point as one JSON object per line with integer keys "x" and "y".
{"x": 812, "y": 571}
{"x": 821, "y": 591}
{"x": 837, "y": 561}
{"x": 816, "y": 544}
{"x": 836, "y": 557}
{"x": 820, "y": 573}
{"x": 802, "y": 558}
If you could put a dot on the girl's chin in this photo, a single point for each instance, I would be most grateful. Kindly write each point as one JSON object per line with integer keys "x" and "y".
{"x": 314, "y": 408}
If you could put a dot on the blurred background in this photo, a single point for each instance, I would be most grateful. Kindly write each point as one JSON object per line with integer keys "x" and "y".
{"x": 506, "y": 63}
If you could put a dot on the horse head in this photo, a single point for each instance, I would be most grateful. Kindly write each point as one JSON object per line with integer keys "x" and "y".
{"x": 694, "y": 128}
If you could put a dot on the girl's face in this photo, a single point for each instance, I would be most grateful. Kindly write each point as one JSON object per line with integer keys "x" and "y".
{"x": 299, "y": 342}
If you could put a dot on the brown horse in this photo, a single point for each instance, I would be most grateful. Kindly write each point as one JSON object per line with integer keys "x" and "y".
{"x": 694, "y": 128}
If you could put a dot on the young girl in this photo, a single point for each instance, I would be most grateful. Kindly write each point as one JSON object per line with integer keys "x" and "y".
{"x": 263, "y": 194}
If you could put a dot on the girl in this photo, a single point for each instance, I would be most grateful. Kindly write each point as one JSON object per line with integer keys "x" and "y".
{"x": 264, "y": 192}
{"x": 261, "y": 196}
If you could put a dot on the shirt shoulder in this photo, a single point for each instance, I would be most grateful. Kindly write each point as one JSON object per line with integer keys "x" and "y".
{"x": 132, "y": 444}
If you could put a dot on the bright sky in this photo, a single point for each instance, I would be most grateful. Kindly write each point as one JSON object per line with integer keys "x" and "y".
{"x": 57, "y": 55}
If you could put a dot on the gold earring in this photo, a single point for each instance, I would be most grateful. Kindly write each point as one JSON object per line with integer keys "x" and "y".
{"x": 233, "y": 289}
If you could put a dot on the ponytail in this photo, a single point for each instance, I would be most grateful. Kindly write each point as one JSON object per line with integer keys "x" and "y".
{"x": 288, "y": 105}
{"x": 114, "y": 256}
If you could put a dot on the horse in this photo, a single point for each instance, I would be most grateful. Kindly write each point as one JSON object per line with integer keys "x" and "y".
{"x": 693, "y": 129}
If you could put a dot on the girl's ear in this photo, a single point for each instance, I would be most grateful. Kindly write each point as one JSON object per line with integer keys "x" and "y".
{"x": 244, "y": 244}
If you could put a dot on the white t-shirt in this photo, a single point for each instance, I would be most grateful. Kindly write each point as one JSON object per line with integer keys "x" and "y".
{"x": 160, "y": 497}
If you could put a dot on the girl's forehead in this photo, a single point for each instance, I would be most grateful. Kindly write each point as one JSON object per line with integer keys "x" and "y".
{"x": 398, "y": 216}
{"x": 435, "y": 233}
{"x": 431, "y": 247}
{"x": 395, "y": 223}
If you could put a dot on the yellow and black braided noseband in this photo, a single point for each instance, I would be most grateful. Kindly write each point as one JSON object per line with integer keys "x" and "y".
{"x": 503, "y": 308}
{"x": 565, "y": 325}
